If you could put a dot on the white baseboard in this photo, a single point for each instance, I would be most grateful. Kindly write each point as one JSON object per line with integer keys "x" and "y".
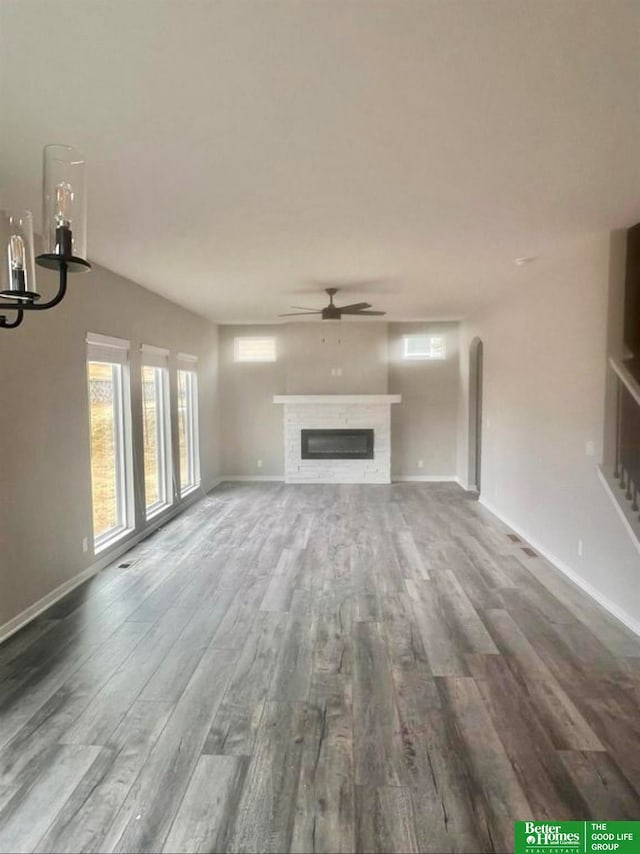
{"x": 424, "y": 478}
{"x": 615, "y": 610}
{"x": 30, "y": 613}
{"x": 247, "y": 478}
{"x": 343, "y": 481}
{"x": 20, "y": 620}
{"x": 463, "y": 484}
{"x": 419, "y": 478}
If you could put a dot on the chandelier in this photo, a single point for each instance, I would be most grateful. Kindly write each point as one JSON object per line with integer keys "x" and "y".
{"x": 64, "y": 235}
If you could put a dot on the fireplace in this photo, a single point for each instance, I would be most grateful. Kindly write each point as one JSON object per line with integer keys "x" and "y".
{"x": 336, "y": 444}
{"x": 337, "y": 438}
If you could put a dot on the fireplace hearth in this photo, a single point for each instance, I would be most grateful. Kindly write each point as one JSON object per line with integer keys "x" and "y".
{"x": 336, "y": 444}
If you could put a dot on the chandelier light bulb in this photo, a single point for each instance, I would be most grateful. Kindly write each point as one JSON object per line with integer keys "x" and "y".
{"x": 17, "y": 273}
{"x": 16, "y": 252}
{"x": 63, "y": 204}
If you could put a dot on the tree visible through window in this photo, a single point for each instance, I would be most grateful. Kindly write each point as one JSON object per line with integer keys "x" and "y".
{"x": 188, "y": 430}
{"x": 107, "y": 453}
{"x": 157, "y": 459}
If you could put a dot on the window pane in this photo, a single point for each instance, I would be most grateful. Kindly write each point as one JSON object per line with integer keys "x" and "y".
{"x": 425, "y": 347}
{"x": 153, "y": 423}
{"x": 106, "y": 474}
{"x": 183, "y": 428}
{"x": 255, "y": 349}
{"x": 150, "y": 425}
{"x": 438, "y": 349}
{"x": 188, "y": 430}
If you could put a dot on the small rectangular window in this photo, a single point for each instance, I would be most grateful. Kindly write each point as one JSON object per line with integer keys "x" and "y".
{"x": 156, "y": 426}
{"x": 254, "y": 349}
{"x": 188, "y": 429}
{"x": 424, "y": 347}
{"x": 110, "y": 444}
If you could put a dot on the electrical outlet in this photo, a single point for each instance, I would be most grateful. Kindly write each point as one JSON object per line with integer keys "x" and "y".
{"x": 580, "y": 548}
{"x": 420, "y": 464}
{"x": 590, "y": 449}
{"x": 338, "y": 372}
{"x": 85, "y": 544}
{"x": 259, "y": 464}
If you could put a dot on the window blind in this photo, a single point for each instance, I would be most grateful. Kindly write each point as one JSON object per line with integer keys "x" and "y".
{"x": 103, "y": 348}
{"x": 154, "y": 357}
{"x": 186, "y": 362}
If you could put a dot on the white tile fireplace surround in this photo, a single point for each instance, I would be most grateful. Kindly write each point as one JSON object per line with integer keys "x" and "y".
{"x": 335, "y": 411}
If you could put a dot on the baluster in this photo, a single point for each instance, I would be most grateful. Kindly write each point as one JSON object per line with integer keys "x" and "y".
{"x": 616, "y": 470}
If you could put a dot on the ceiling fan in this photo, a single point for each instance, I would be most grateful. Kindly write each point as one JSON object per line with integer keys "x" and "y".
{"x": 335, "y": 312}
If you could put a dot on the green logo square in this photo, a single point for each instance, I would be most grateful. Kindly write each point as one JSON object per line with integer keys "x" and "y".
{"x": 577, "y": 837}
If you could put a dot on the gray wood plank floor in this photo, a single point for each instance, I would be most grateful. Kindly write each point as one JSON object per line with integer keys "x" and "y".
{"x": 318, "y": 669}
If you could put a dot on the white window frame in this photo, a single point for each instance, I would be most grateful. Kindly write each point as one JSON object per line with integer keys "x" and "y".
{"x": 157, "y": 359}
{"x": 427, "y": 353}
{"x": 105, "y": 349}
{"x": 244, "y": 357}
{"x": 188, "y": 365}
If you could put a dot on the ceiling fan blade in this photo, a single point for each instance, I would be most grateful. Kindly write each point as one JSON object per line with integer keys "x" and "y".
{"x": 364, "y": 313}
{"x": 298, "y": 313}
{"x": 304, "y": 308}
{"x": 354, "y": 306}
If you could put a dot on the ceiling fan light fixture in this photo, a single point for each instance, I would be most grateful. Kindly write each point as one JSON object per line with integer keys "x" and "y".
{"x": 335, "y": 312}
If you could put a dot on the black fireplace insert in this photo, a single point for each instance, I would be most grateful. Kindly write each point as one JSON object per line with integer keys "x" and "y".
{"x": 337, "y": 444}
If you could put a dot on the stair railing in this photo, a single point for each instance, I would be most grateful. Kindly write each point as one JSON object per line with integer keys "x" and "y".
{"x": 627, "y": 456}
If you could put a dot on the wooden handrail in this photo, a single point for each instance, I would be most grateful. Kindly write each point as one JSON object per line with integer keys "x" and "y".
{"x": 627, "y": 379}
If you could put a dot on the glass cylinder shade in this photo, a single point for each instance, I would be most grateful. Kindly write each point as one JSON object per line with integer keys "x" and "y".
{"x": 17, "y": 265}
{"x": 64, "y": 222}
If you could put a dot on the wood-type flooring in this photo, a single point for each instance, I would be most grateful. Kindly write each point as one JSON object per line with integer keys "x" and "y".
{"x": 318, "y": 669}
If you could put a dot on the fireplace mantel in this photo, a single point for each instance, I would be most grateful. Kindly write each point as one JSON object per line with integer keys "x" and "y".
{"x": 315, "y": 399}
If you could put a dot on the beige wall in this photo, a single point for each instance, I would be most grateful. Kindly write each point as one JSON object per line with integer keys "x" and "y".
{"x": 423, "y": 425}
{"x": 545, "y": 348}
{"x": 45, "y": 480}
{"x": 368, "y": 353}
{"x": 358, "y": 349}
{"x": 251, "y": 425}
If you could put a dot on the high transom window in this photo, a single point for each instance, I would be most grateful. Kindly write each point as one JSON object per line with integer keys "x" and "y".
{"x": 256, "y": 349}
{"x": 424, "y": 347}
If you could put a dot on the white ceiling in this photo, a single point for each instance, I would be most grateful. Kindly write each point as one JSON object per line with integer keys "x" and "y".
{"x": 240, "y": 152}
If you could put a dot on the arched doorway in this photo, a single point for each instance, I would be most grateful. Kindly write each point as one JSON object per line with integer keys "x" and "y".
{"x": 475, "y": 415}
